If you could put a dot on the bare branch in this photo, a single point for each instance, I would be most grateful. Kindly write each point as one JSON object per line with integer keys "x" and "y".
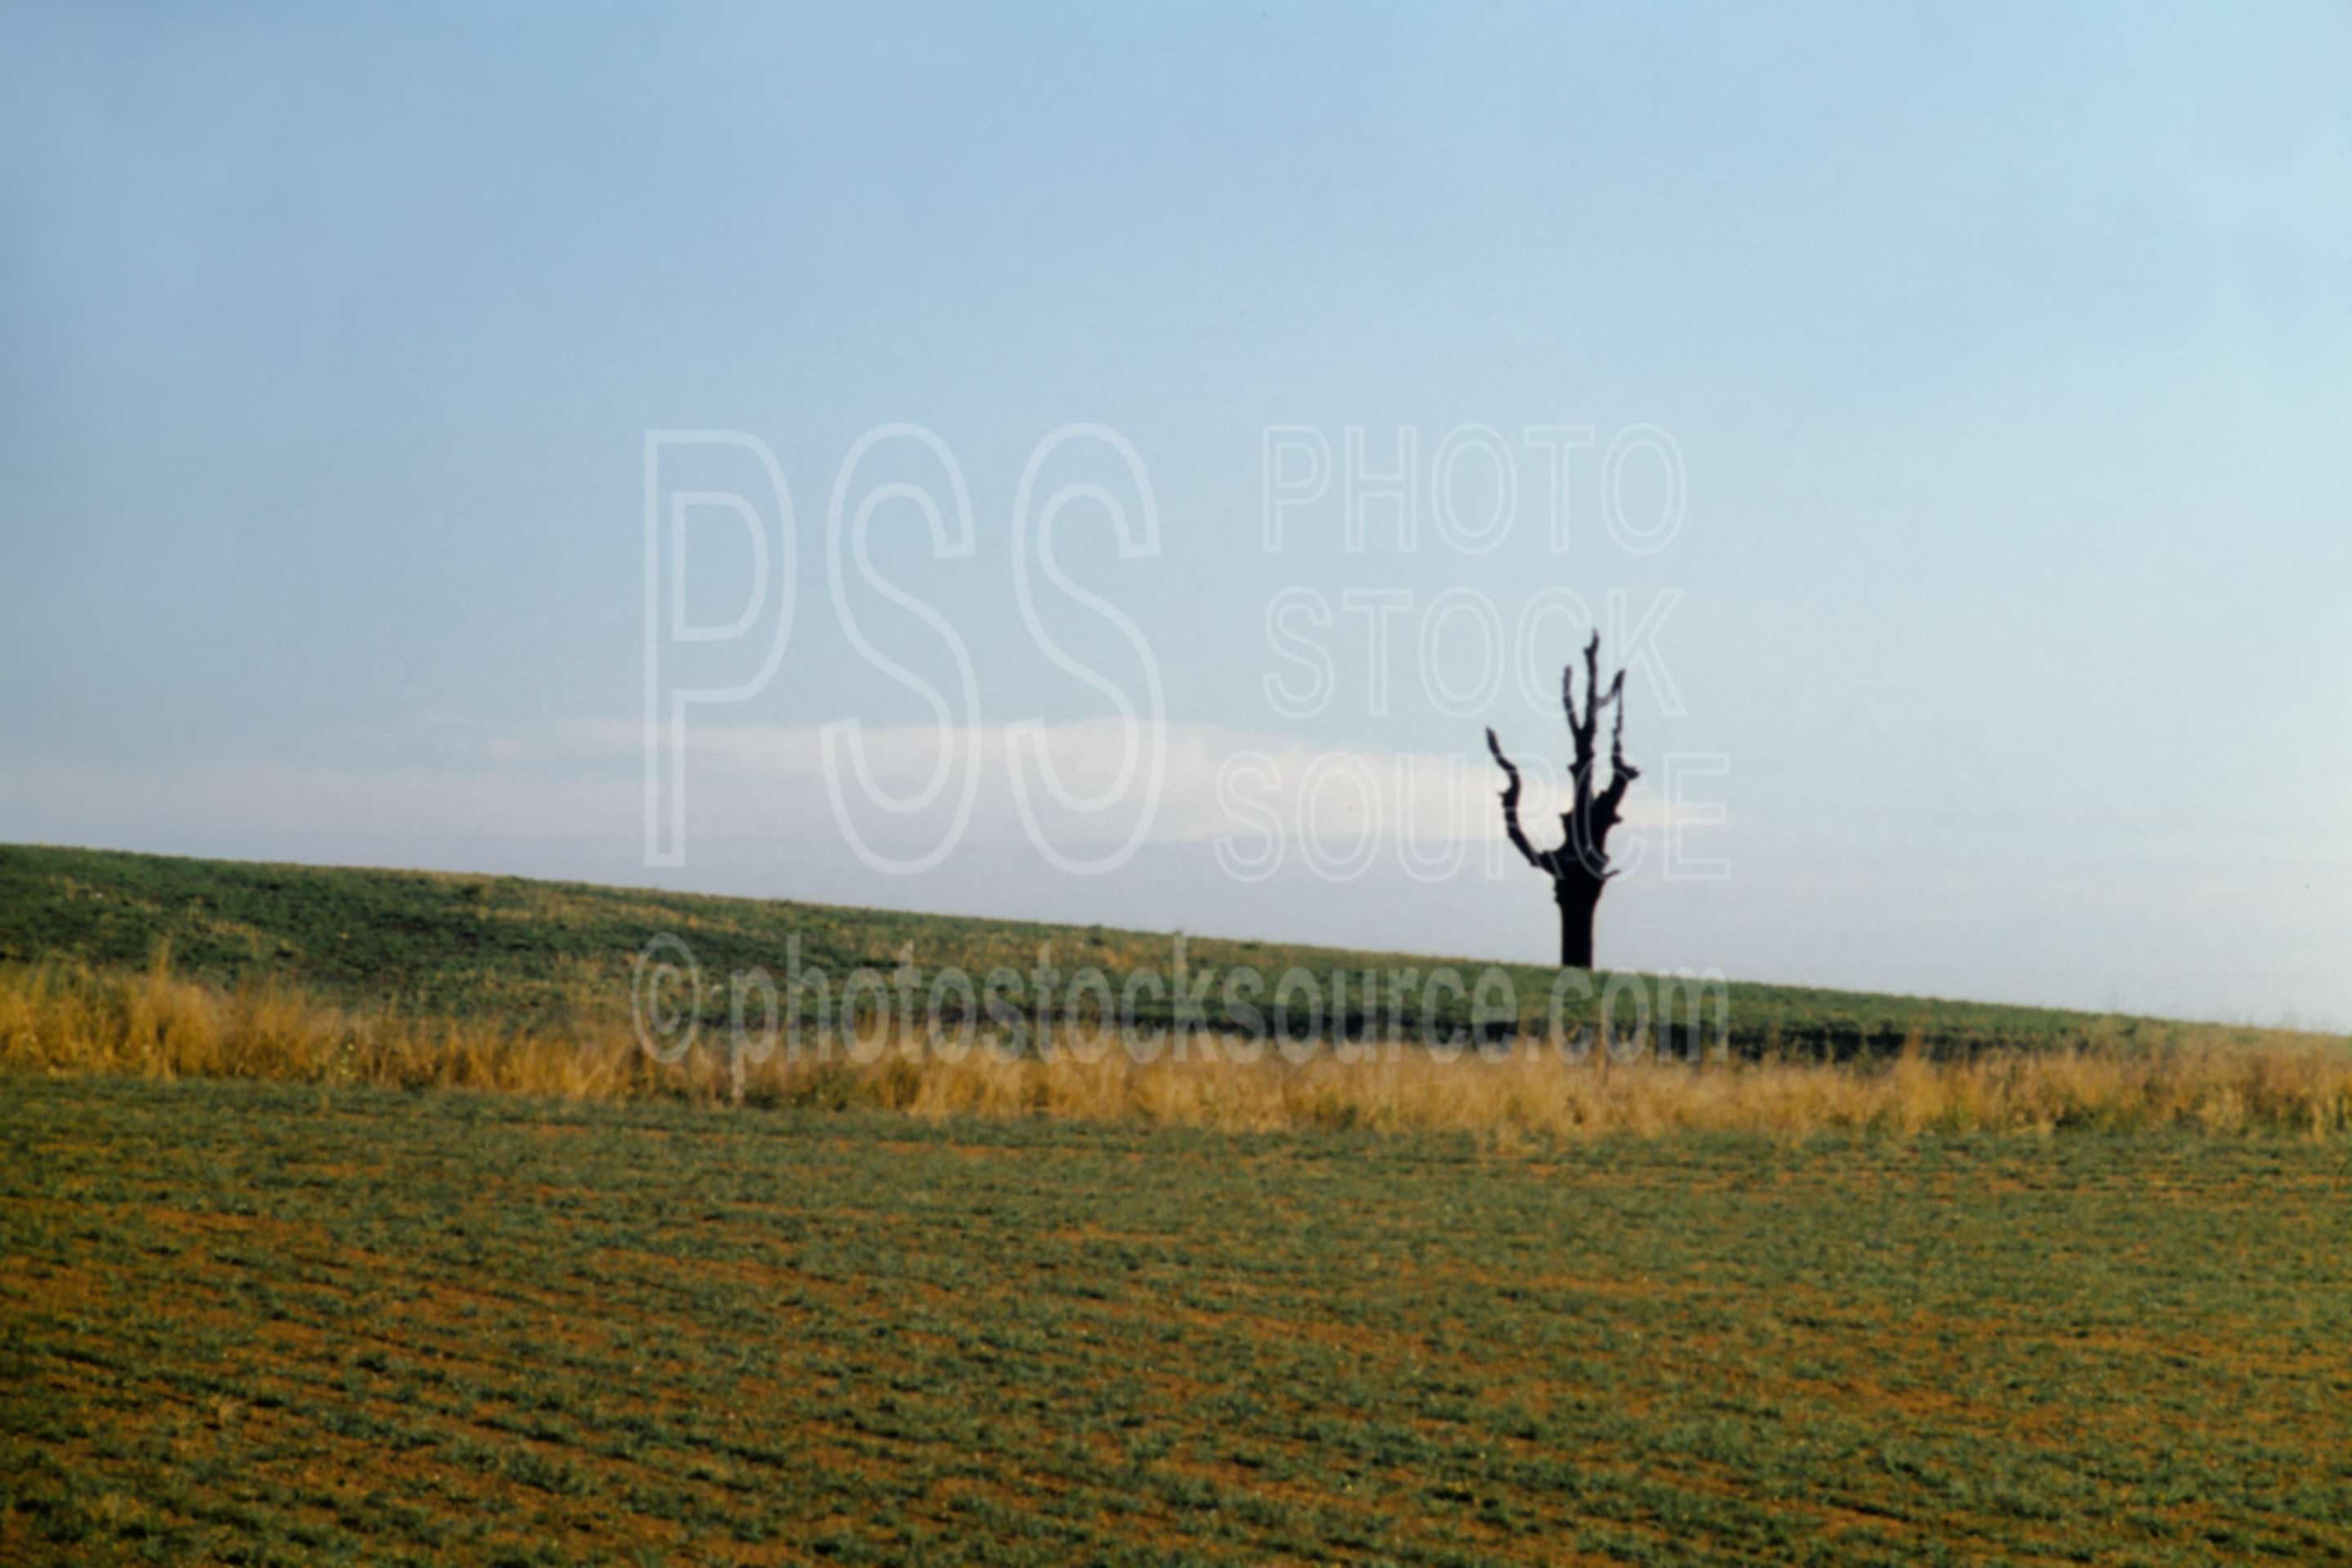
{"x": 1619, "y": 768}
{"x": 1511, "y": 806}
{"x": 1622, "y": 774}
{"x": 1581, "y": 727}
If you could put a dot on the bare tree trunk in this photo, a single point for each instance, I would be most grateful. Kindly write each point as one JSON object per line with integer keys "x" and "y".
{"x": 1578, "y": 899}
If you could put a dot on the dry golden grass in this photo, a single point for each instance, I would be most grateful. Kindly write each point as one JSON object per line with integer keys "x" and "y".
{"x": 57, "y": 1019}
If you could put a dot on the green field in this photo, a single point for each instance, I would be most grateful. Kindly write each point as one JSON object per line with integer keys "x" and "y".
{"x": 295, "y": 1317}
{"x": 547, "y": 953}
{"x": 256, "y": 1323}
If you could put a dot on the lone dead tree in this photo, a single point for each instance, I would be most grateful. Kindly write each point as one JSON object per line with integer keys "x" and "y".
{"x": 1578, "y": 868}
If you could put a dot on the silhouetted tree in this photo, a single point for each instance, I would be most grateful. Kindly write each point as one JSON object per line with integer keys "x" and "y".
{"x": 1578, "y": 868}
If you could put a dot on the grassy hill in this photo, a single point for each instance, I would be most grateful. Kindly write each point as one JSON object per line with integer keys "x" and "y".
{"x": 1422, "y": 1310}
{"x": 544, "y": 954}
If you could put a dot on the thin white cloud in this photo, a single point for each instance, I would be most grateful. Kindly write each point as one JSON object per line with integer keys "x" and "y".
{"x": 579, "y": 780}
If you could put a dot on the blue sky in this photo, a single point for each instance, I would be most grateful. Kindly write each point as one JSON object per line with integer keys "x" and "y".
{"x": 2005, "y": 355}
